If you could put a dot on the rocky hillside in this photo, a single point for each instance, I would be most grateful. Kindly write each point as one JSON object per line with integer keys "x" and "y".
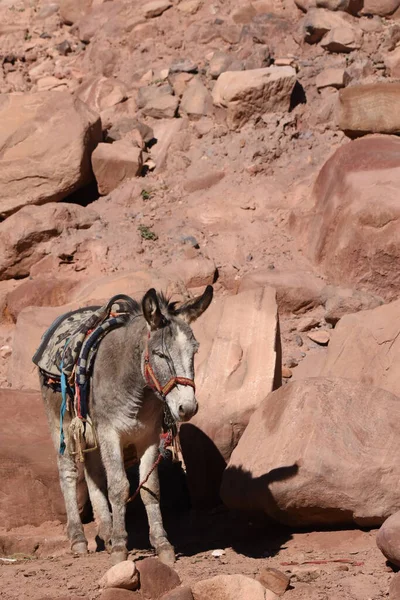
{"x": 249, "y": 145}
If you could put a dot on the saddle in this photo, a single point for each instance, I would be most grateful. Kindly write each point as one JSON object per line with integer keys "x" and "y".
{"x": 66, "y": 357}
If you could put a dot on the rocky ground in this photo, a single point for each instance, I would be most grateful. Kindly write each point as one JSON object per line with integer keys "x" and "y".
{"x": 180, "y": 144}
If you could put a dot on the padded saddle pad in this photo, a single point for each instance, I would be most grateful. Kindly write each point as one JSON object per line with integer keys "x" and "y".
{"x": 62, "y": 342}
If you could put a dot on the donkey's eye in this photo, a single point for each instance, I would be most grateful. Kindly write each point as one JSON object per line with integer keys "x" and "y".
{"x": 160, "y": 354}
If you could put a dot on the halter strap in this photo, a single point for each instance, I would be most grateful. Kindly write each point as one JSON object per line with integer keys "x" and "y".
{"x": 154, "y": 384}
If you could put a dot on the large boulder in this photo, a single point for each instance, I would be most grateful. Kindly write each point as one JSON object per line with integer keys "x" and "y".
{"x": 30, "y": 490}
{"x": 238, "y": 363}
{"x": 370, "y": 108}
{"x": 46, "y": 141}
{"x": 319, "y": 451}
{"x": 24, "y": 237}
{"x": 388, "y": 539}
{"x": 365, "y": 347}
{"x": 350, "y": 226}
{"x": 254, "y": 92}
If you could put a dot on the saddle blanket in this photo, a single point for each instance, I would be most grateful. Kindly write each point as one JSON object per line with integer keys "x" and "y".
{"x": 72, "y": 339}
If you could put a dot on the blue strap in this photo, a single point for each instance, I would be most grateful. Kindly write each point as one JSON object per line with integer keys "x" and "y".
{"x": 64, "y": 388}
{"x": 63, "y": 409}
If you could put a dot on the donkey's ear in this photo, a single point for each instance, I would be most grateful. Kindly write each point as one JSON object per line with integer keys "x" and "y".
{"x": 151, "y": 309}
{"x": 192, "y": 309}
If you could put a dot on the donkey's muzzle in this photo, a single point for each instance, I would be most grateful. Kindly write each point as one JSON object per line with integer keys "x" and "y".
{"x": 187, "y": 410}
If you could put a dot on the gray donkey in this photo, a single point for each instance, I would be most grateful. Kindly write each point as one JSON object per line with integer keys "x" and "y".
{"x": 141, "y": 371}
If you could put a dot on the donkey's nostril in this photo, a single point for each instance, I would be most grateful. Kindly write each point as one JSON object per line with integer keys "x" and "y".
{"x": 181, "y": 410}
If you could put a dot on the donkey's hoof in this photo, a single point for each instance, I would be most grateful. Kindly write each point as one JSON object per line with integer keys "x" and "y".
{"x": 166, "y": 554}
{"x": 118, "y": 556}
{"x": 79, "y": 548}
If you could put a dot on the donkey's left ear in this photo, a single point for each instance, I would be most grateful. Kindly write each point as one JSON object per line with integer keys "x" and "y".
{"x": 192, "y": 309}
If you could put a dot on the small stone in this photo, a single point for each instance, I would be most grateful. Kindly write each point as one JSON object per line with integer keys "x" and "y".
{"x": 299, "y": 340}
{"x": 161, "y": 107}
{"x": 196, "y": 100}
{"x": 123, "y": 575}
{"x": 286, "y": 372}
{"x": 64, "y": 48}
{"x": 292, "y": 362}
{"x": 189, "y": 7}
{"x": 274, "y": 580}
{"x": 307, "y": 323}
{"x": 217, "y": 553}
{"x": 336, "y": 78}
{"x": 156, "y": 578}
{"x": 155, "y": 8}
{"x": 183, "y": 65}
{"x": 342, "y": 39}
{"x": 219, "y": 63}
{"x": 113, "y": 163}
{"x": 321, "y": 337}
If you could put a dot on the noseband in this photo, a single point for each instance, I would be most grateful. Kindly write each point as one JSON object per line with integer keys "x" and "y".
{"x": 154, "y": 384}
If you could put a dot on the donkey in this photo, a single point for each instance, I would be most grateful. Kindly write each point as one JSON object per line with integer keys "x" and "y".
{"x": 141, "y": 370}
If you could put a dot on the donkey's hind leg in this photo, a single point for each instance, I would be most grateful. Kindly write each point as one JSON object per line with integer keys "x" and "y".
{"x": 68, "y": 479}
{"x": 67, "y": 470}
{"x": 150, "y": 494}
{"x": 97, "y": 485}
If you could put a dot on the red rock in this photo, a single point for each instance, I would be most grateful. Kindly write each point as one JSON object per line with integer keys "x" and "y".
{"x": 72, "y": 10}
{"x": 39, "y": 292}
{"x": 196, "y": 100}
{"x": 123, "y": 575}
{"x": 253, "y": 92}
{"x": 351, "y": 227}
{"x": 238, "y": 362}
{"x": 296, "y": 291}
{"x": 24, "y": 235}
{"x": 113, "y": 163}
{"x": 156, "y": 578}
{"x": 382, "y": 8}
{"x": 161, "y": 107}
{"x": 345, "y": 38}
{"x": 394, "y": 588}
{"x": 319, "y": 21}
{"x": 179, "y": 593}
{"x": 228, "y": 587}
{"x": 54, "y": 159}
{"x": 274, "y": 580}
{"x": 321, "y": 337}
{"x": 388, "y": 539}
{"x": 117, "y": 594}
{"x": 155, "y": 8}
{"x": 100, "y": 93}
{"x": 341, "y": 301}
{"x": 370, "y": 108}
{"x": 272, "y": 463}
{"x": 336, "y": 78}
{"x": 28, "y": 462}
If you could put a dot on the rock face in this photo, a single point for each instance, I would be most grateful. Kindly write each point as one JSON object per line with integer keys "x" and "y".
{"x": 28, "y": 467}
{"x": 342, "y": 39}
{"x": 254, "y": 92}
{"x": 351, "y": 229}
{"x": 228, "y": 587}
{"x": 388, "y": 539}
{"x": 293, "y": 461}
{"x": 370, "y": 108}
{"x": 238, "y": 362}
{"x": 113, "y": 163}
{"x": 42, "y": 160}
{"x": 23, "y": 236}
{"x": 365, "y": 347}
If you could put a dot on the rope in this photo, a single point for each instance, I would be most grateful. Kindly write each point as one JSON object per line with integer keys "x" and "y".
{"x": 166, "y": 440}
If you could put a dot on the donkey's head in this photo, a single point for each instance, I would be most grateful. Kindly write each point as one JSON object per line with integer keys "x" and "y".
{"x": 171, "y": 346}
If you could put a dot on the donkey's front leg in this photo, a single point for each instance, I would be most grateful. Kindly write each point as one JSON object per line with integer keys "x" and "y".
{"x": 118, "y": 490}
{"x": 150, "y": 494}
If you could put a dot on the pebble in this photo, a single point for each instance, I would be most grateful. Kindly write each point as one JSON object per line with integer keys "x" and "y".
{"x": 217, "y": 553}
{"x": 320, "y": 337}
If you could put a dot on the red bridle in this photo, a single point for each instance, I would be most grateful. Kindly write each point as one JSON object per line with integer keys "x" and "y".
{"x": 154, "y": 384}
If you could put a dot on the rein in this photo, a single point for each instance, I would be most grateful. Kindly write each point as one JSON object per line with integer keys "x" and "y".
{"x": 154, "y": 384}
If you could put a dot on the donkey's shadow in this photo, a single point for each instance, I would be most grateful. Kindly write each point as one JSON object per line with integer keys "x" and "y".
{"x": 192, "y": 530}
